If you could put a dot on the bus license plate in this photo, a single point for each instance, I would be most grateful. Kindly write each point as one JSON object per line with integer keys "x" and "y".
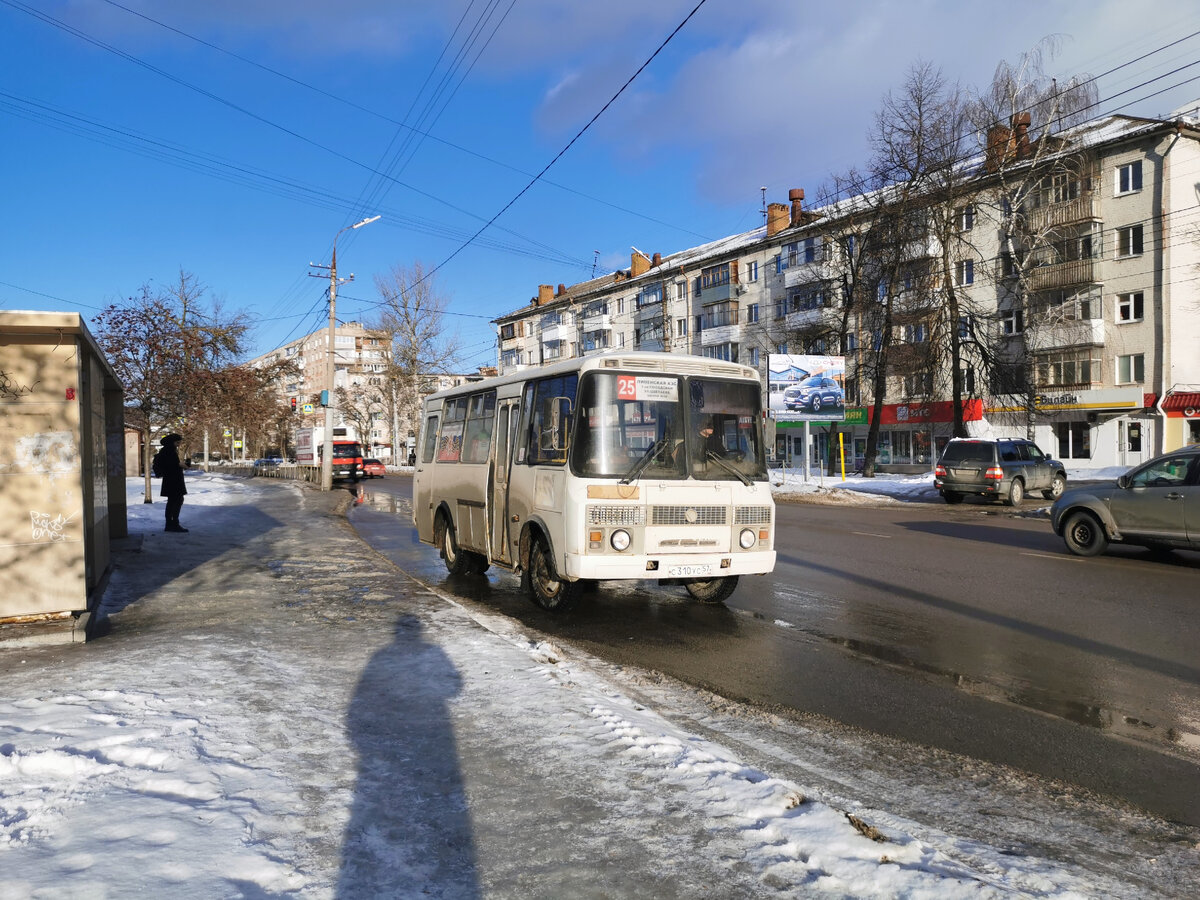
{"x": 689, "y": 571}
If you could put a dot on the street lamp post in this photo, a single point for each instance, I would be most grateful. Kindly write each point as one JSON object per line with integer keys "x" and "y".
{"x": 331, "y": 368}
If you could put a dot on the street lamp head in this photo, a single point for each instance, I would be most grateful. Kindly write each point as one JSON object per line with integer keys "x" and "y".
{"x": 367, "y": 221}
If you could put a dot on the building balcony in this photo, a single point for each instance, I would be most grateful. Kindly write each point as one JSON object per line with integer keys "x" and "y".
{"x": 554, "y": 333}
{"x": 1062, "y": 274}
{"x": 720, "y": 334}
{"x": 1081, "y": 209}
{"x": 927, "y": 247}
{"x": 650, "y": 312}
{"x": 807, "y": 318}
{"x": 798, "y": 273}
{"x": 1066, "y": 334}
{"x": 595, "y": 323}
{"x": 716, "y": 293}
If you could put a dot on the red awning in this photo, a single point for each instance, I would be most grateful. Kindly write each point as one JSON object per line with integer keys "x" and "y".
{"x": 1181, "y": 400}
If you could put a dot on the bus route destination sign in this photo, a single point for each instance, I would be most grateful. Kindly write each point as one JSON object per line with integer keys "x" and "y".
{"x": 642, "y": 387}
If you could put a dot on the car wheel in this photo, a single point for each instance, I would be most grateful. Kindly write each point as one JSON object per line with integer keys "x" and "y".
{"x": 545, "y": 588}
{"x": 1084, "y": 535}
{"x": 1057, "y": 486}
{"x": 816, "y": 404}
{"x": 952, "y": 497}
{"x": 457, "y": 561}
{"x": 712, "y": 590}
{"x": 1016, "y": 492}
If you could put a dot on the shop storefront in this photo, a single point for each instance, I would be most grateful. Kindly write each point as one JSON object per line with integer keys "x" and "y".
{"x": 911, "y": 435}
{"x": 1182, "y": 411}
{"x": 1085, "y": 429}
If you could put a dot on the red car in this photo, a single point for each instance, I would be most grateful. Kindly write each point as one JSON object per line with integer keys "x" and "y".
{"x": 373, "y": 468}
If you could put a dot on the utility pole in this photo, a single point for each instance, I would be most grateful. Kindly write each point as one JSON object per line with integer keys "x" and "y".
{"x": 330, "y": 366}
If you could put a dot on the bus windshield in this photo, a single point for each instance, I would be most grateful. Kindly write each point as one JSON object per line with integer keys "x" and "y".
{"x": 663, "y": 426}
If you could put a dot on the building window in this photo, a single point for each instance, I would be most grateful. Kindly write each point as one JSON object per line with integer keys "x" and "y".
{"x": 1129, "y": 177}
{"x": 1129, "y": 241}
{"x": 917, "y": 333}
{"x": 681, "y": 290}
{"x": 726, "y": 352}
{"x": 1074, "y": 440}
{"x": 964, "y": 272}
{"x": 699, "y": 324}
{"x": 965, "y": 216}
{"x": 508, "y": 331}
{"x": 1012, "y": 321}
{"x": 681, "y": 327}
{"x": 1129, "y": 307}
{"x": 1131, "y": 369}
{"x": 754, "y": 356}
{"x": 752, "y": 313}
{"x": 752, "y": 271}
{"x": 1008, "y": 267}
{"x": 789, "y": 257}
{"x": 812, "y": 250}
{"x": 918, "y": 385}
{"x": 781, "y": 307}
{"x": 721, "y": 314}
{"x": 781, "y": 348}
{"x": 1067, "y": 371}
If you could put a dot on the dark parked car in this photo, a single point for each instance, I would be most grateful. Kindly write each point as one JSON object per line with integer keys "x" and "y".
{"x": 815, "y": 393}
{"x": 1004, "y": 469}
{"x": 373, "y": 468}
{"x": 1156, "y": 505}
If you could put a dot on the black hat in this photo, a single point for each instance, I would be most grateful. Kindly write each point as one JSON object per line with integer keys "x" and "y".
{"x": 171, "y": 438}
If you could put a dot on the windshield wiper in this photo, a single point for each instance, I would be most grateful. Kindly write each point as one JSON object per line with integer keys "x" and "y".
{"x": 713, "y": 457}
{"x": 656, "y": 448}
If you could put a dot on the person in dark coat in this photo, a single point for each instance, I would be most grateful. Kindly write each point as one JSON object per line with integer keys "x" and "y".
{"x": 168, "y": 468}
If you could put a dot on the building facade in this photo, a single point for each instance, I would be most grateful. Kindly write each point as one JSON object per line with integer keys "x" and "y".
{"x": 1060, "y": 280}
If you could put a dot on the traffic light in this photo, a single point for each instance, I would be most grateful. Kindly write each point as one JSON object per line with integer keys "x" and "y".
{"x": 293, "y": 404}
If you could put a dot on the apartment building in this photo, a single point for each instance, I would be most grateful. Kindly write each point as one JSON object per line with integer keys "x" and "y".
{"x": 1073, "y": 267}
{"x": 360, "y": 361}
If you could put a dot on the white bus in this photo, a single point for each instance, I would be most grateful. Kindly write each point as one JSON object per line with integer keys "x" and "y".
{"x": 613, "y": 466}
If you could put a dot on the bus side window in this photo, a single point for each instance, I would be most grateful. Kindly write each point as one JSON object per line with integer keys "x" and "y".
{"x": 553, "y": 407}
{"x": 430, "y": 445}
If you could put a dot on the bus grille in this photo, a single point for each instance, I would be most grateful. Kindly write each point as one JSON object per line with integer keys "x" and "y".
{"x": 752, "y": 515}
{"x": 616, "y": 515}
{"x": 679, "y": 515}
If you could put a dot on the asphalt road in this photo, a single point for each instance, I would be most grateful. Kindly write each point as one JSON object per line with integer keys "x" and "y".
{"x": 965, "y": 628}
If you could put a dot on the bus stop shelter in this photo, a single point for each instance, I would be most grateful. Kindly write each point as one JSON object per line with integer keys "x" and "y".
{"x": 62, "y": 468}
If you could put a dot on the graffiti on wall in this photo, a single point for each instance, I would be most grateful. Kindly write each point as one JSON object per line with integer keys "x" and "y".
{"x": 48, "y": 527}
{"x": 14, "y": 390}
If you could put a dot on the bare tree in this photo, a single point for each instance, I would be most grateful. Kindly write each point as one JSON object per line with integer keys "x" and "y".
{"x": 412, "y": 319}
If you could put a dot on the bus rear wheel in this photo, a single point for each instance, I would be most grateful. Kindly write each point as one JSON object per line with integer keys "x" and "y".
{"x": 458, "y": 562}
{"x": 545, "y": 588}
{"x": 712, "y": 590}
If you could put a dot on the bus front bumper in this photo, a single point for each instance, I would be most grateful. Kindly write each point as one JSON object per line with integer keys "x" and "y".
{"x": 685, "y": 566}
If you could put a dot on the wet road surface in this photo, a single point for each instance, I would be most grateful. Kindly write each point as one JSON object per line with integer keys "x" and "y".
{"x": 964, "y": 628}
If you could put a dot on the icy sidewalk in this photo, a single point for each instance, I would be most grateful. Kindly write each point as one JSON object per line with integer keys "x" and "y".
{"x": 273, "y": 710}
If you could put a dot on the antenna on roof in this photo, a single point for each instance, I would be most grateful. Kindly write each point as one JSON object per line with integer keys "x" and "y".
{"x": 764, "y": 202}
{"x": 595, "y": 260}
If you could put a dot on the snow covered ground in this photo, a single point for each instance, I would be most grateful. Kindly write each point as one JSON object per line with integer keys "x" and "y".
{"x": 273, "y": 711}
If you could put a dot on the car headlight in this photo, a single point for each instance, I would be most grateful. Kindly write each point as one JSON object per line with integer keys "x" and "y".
{"x": 620, "y": 540}
{"x": 747, "y": 538}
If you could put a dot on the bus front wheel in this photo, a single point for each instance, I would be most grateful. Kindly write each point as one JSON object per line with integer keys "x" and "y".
{"x": 545, "y": 587}
{"x": 458, "y": 561}
{"x": 712, "y": 590}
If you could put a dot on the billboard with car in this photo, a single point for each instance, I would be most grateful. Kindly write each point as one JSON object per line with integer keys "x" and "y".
{"x": 806, "y": 388}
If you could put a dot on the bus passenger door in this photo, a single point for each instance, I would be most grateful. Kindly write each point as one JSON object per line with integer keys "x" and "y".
{"x": 500, "y": 543}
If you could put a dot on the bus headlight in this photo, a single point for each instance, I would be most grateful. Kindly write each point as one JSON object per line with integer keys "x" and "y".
{"x": 620, "y": 540}
{"x": 747, "y": 538}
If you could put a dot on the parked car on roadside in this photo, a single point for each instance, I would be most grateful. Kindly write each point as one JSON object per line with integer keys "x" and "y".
{"x": 373, "y": 468}
{"x": 1000, "y": 469}
{"x": 815, "y": 393}
{"x": 1156, "y": 505}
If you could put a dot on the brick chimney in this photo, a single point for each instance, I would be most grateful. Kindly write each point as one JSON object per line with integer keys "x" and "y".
{"x": 562, "y": 289}
{"x": 777, "y": 218}
{"x": 545, "y": 294}
{"x": 656, "y": 260}
{"x": 796, "y": 195}
{"x": 638, "y": 264}
{"x": 1020, "y": 124}
{"x": 999, "y": 147}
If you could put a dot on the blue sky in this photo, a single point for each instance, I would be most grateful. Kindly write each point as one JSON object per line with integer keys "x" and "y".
{"x": 233, "y": 138}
